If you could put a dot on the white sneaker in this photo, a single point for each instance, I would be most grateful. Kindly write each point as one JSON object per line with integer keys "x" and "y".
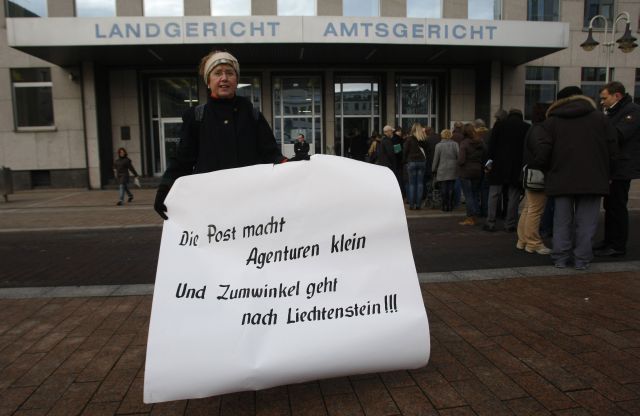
{"x": 541, "y": 250}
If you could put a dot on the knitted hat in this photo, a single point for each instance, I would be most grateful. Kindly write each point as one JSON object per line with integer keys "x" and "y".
{"x": 568, "y": 92}
{"x": 220, "y": 58}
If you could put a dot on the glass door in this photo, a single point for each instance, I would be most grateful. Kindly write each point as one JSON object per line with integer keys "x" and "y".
{"x": 357, "y": 105}
{"x": 169, "y": 97}
{"x": 170, "y": 136}
{"x": 416, "y": 102}
{"x": 297, "y": 104}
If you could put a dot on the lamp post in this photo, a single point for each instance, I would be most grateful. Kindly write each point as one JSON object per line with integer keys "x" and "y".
{"x": 626, "y": 43}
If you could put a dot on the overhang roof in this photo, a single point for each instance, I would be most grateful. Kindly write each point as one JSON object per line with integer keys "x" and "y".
{"x": 271, "y": 40}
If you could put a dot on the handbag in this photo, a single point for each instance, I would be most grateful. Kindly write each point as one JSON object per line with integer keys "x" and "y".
{"x": 532, "y": 179}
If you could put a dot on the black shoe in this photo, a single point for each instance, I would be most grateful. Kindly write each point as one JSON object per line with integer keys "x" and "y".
{"x": 130, "y": 198}
{"x": 609, "y": 252}
{"x": 119, "y": 203}
{"x": 490, "y": 228}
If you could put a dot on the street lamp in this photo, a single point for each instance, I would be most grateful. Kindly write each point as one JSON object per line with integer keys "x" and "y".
{"x": 626, "y": 43}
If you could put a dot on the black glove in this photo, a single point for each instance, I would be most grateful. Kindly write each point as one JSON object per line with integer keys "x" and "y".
{"x": 158, "y": 205}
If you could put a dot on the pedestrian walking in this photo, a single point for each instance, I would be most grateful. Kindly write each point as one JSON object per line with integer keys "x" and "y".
{"x": 121, "y": 168}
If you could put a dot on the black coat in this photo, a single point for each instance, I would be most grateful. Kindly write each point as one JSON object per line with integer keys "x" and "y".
{"x": 505, "y": 149}
{"x": 122, "y": 166}
{"x": 230, "y": 135}
{"x": 577, "y": 148}
{"x": 625, "y": 116}
{"x": 385, "y": 155}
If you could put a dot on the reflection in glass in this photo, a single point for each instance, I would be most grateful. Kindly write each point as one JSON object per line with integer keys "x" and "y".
{"x": 296, "y": 8}
{"x": 95, "y": 8}
{"x": 297, "y": 103}
{"x": 176, "y": 95}
{"x": 34, "y": 106}
{"x": 230, "y": 7}
{"x": 27, "y": 8}
{"x": 485, "y": 9}
{"x": 357, "y": 115}
{"x": 361, "y": 8}
{"x": 543, "y": 10}
{"x": 249, "y": 87}
{"x": 415, "y": 97}
{"x": 537, "y": 93}
{"x": 163, "y": 8}
{"x": 424, "y": 8}
{"x": 416, "y": 102}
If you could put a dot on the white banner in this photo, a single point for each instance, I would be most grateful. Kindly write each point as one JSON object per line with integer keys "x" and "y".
{"x": 270, "y": 275}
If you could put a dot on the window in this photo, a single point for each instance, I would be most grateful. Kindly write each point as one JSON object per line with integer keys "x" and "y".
{"x": 296, "y": 7}
{"x": 598, "y": 7}
{"x": 361, "y": 8}
{"x": 592, "y": 80}
{"x": 416, "y": 101}
{"x": 485, "y": 9}
{"x": 26, "y": 8}
{"x": 163, "y": 8}
{"x": 230, "y": 7}
{"x": 249, "y": 87}
{"x": 636, "y": 91}
{"x": 297, "y": 108}
{"x": 541, "y": 86}
{"x": 32, "y": 99}
{"x": 424, "y": 8}
{"x": 543, "y": 10}
{"x": 91, "y": 8}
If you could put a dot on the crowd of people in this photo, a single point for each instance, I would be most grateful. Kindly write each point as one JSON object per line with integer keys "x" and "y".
{"x": 545, "y": 179}
{"x": 575, "y": 154}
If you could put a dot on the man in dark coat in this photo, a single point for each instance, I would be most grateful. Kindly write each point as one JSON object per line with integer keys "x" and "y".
{"x": 624, "y": 114}
{"x": 504, "y": 167}
{"x": 385, "y": 154}
{"x": 576, "y": 154}
{"x": 226, "y": 132}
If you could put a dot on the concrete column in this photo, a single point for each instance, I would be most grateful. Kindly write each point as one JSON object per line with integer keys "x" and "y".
{"x": 129, "y": 8}
{"x": 197, "y": 7}
{"x": 264, "y": 8}
{"x": 393, "y": 8}
{"x": 329, "y": 127}
{"x": 496, "y": 90}
{"x": 61, "y": 8}
{"x": 266, "y": 92}
{"x": 463, "y": 95}
{"x": 90, "y": 125}
{"x": 330, "y": 8}
{"x": 390, "y": 116}
{"x": 454, "y": 9}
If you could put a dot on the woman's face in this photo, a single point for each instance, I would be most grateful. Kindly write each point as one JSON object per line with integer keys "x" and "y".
{"x": 120, "y": 152}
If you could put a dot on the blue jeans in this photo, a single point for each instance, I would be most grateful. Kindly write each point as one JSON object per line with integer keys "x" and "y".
{"x": 415, "y": 189}
{"x": 472, "y": 190}
{"x": 122, "y": 189}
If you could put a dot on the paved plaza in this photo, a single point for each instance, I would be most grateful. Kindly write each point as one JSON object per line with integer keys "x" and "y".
{"x": 511, "y": 341}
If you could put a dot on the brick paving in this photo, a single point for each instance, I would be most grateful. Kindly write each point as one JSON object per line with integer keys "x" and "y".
{"x": 547, "y": 345}
{"x": 556, "y": 345}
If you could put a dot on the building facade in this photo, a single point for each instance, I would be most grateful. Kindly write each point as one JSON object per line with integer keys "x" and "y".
{"x": 81, "y": 78}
